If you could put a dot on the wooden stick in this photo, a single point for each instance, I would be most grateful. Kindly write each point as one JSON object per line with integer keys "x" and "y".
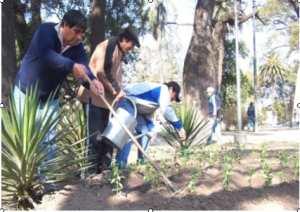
{"x": 165, "y": 179}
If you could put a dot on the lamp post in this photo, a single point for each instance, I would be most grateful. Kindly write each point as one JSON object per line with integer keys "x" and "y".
{"x": 238, "y": 76}
{"x": 254, "y": 63}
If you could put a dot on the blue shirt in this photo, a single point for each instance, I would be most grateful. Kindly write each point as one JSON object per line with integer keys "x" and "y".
{"x": 157, "y": 94}
{"x": 44, "y": 63}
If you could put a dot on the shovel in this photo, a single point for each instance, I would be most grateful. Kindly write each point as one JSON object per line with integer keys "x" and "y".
{"x": 134, "y": 140}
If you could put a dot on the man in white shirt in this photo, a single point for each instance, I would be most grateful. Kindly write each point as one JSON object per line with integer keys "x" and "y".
{"x": 160, "y": 97}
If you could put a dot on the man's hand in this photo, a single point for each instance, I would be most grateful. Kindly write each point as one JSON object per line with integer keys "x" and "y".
{"x": 182, "y": 134}
{"x": 79, "y": 71}
{"x": 120, "y": 95}
{"x": 96, "y": 87}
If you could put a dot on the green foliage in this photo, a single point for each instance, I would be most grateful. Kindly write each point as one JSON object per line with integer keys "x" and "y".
{"x": 60, "y": 7}
{"x": 251, "y": 173}
{"x": 281, "y": 110}
{"x": 194, "y": 180}
{"x": 295, "y": 162}
{"x": 119, "y": 13}
{"x": 151, "y": 175}
{"x": 227, "y": 169}
{"x": 22, "y": 152}
{"x": 267, "y": 170}
{"x": 213, "y": 156}
{"x": 116, "y": 178}
{"x": 262, "y": 116}
{"x": 272, "y": 71}
{"x": 74, "y": 142}
{"x": 157, "y": 17}
{"x": 193, "y": 125}
{"x": 284, "y": 158}
{"x": 282, "y": 15}
{"x": 228, "y": 86}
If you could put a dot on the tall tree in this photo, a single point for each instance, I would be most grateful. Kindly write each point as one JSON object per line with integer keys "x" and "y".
{"x": 31, "y": 11}
{"x": 282, "y": 17}
{"x": 203, "y": 65}
{"x": 8, "y": 47}
{"x": 97, "y": 20}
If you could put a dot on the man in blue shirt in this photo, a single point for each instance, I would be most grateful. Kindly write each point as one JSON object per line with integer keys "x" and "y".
{"x": 251, "y": 117}
{"x": 159, "y": 96}
{"x": 55, "y": 51}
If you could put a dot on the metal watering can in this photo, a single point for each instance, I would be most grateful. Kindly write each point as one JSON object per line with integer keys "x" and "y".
{"x": 114, "y": 132}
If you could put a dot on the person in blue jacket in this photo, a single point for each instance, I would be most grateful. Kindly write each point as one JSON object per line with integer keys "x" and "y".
{"x": 160, "y": 96}
{"x": 55, "y": 50}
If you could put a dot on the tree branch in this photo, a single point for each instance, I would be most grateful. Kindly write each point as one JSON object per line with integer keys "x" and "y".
{"x": 243, "y": 18}
{"x": 295, "y": 6}
{"x": 179, "y": 24}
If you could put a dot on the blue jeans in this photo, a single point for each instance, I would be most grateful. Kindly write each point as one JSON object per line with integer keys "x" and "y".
{"x": 19, "y": 98}
{"x": 144, "y": 126}
{"x": 215, "y": 131}
{"x": 251, "y": 123}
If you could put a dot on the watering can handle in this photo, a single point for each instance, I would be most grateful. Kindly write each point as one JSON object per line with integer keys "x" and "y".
{"x": 131, "y": 101}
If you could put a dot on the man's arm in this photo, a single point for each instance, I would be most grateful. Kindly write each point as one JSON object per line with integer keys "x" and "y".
{"x": 44, "y": 46}
{"x": 97, "y": 61}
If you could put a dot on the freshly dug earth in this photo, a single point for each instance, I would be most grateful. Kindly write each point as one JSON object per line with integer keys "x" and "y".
{"x": 246, "y": 191}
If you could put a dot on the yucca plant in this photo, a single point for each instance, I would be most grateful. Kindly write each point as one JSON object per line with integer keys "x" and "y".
{"x": 193, "y": 125}
{"x": 22, "y": 152}
{"x": 75, "y": 142}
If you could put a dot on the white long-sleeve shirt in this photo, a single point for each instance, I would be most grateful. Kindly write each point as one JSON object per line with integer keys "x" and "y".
{"x": 156, "y": 94}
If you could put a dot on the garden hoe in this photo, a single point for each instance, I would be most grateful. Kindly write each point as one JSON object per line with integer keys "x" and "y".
{"x": 134, "y": 140}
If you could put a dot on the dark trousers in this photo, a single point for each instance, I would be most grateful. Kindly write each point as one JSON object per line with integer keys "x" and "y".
{"x": 100, "y": 152}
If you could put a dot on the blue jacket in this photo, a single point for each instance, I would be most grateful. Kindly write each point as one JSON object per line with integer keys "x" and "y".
{"x": 44, "y": 63}
{"x": 157, "y": 94}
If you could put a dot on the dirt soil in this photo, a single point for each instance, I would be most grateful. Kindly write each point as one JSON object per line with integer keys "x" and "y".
{"x": 245, "y": 192}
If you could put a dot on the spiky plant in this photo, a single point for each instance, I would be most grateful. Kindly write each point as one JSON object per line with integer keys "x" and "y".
{"x": 22, "y": 152}
{"x": 191, "y": 122}
{"x": 26, "y": 167}
{"x": 75, "y": 142}
{"x": 272, "y": 71}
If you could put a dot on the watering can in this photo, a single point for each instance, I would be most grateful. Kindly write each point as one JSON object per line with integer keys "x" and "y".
{"x": 114, "y": 132}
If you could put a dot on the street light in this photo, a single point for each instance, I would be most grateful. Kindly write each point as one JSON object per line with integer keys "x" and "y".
{"x": 238, "y": 76}
{"x": 254, "y": 63}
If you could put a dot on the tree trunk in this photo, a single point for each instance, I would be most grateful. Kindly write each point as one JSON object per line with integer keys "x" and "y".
{"x": 22, "y": 35}
{"x": 8, "y": 48}
{"x": 203, "y": 63}
{"x": 97, "y": 22}
{"x": 36, "y": 15}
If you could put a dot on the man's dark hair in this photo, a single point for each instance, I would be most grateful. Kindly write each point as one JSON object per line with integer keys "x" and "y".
{"x": 130, "y": 35}
{"x": 176, "y": 88}
{"x": 74, "y": 18}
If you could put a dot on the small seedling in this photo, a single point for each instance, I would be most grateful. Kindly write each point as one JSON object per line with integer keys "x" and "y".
{"x": 267, "y": 171}
{"x": 150, "y": 175}
{"x": 227, "y": 170}
{"x": 195, "y": 177}
{"x": 251, "y": 173}
{"x": 116, "y": 178}
{"x": 284, "y": 158}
